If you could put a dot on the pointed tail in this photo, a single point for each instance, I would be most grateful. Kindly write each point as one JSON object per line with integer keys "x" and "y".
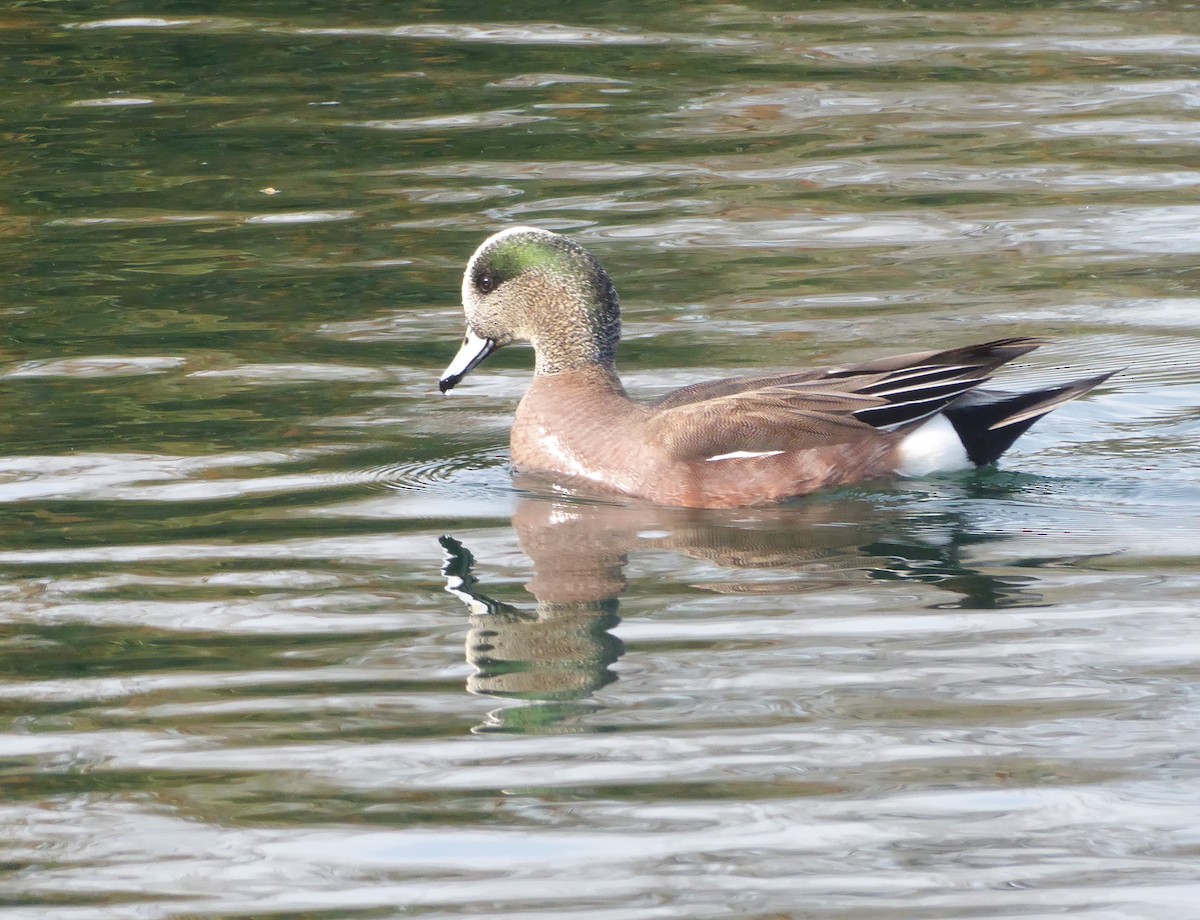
{"x": 989, "y": 422}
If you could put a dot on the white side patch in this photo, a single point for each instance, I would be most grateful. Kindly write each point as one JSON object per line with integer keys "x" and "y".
{"x": 935, "y": 447}
{"x": 743, "y": 455}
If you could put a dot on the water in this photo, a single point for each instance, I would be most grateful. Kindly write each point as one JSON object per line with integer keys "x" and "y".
{"x": 281, "y": 639}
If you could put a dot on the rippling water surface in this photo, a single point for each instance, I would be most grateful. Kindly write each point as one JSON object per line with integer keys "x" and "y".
{"x": 280, "y": 638}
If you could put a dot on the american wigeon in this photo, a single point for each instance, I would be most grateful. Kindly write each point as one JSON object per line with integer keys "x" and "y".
{"x": 727, "y": 443}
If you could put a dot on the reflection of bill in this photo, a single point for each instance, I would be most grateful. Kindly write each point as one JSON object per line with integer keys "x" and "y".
{"x": 563, "y": 648}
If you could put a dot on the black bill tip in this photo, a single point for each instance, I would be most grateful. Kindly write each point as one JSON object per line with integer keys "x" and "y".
{"x": 471, "y": 354}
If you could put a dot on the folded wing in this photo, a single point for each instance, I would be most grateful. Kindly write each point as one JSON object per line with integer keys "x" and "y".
{"x": 818, "y": 408}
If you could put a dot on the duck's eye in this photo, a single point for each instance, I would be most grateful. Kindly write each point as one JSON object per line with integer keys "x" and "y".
{"x": 485, "y": 282}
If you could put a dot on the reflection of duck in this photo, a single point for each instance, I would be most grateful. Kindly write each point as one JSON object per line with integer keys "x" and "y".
{"x": 563, "y": 649}
{"x": 725, "y": 443}
{"x": 560, "y": 651}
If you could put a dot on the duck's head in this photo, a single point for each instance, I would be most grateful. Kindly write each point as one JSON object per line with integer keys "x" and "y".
{"x": 529, "y": 285}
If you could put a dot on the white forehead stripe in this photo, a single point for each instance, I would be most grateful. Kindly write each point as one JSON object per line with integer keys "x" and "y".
{"x": 743, "y": 455}
{"x": 511, "y": 231}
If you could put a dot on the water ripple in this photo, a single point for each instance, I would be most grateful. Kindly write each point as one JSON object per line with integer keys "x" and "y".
{"x": 276, "y": 626}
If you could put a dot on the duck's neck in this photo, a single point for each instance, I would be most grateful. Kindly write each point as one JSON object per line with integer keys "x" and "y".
{"x": 584, "y": 349}
{"x": 548, "y": 365}
{"x": 594, "y": 377}
{"x": 585, "y": 332}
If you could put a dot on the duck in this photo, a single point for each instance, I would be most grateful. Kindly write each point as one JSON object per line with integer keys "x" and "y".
{"x": 736, "y": 442}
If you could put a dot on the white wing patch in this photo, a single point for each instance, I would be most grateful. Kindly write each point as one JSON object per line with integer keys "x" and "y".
{"x": 743, "y": 455}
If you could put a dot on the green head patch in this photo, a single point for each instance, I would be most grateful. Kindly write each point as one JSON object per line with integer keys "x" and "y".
{"x": 523, "y": 251}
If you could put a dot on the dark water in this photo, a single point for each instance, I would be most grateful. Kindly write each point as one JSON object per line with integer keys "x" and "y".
{"x": 280, "y": 639}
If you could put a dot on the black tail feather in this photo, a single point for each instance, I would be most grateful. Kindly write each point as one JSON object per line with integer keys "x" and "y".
{"x": 989, "y": 422}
